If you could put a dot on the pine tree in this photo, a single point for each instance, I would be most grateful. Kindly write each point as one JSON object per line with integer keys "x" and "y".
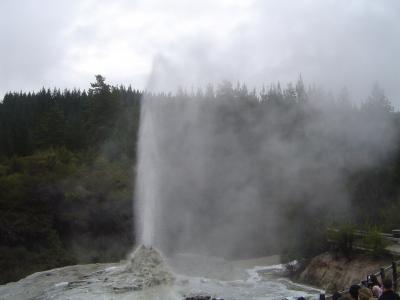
{"x": 377, "y": 102}
{"x": 102, "y": 110}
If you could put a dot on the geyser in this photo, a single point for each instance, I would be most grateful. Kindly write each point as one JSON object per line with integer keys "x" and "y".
{"x": 147, "y": 182}
{"x": 232, "y": 173}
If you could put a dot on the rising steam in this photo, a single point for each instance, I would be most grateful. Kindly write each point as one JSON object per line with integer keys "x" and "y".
{"x": 219, "y": 170}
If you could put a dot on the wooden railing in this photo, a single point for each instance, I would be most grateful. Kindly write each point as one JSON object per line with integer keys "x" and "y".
{"x": 382, "y": 273}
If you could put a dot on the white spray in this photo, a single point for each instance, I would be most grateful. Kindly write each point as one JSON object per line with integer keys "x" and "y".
{"x": 147, "y": 188}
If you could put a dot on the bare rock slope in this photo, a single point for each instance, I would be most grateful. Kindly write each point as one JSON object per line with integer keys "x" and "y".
{"x": 338, "y": 273}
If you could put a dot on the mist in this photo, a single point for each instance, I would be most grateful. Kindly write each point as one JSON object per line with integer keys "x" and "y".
{"x": 234, "y": 170}
{"x": 230, "y": 172}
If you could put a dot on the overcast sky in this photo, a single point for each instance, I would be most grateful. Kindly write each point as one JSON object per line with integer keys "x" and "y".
{"x": 164, "y": 43}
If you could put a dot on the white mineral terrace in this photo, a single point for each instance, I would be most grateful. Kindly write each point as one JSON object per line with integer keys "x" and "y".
{"x": 147, "y": 276}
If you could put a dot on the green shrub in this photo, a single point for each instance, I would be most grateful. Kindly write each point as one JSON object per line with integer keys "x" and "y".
{"x": 375, "y": 242}
{"x": 343, "y": 237}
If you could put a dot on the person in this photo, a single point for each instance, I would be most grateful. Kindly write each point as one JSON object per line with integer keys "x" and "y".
{"x": 364, "y": 293}
{"x": 353, "y": 291}
{"x": 374, "y": 280}
{"x": 336, "y": 295}
{"x": 388, "y": 293}
{"x": 376, "y": 291}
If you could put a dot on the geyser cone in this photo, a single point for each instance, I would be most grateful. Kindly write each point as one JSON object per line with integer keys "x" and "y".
{"x": 149, "y": 267}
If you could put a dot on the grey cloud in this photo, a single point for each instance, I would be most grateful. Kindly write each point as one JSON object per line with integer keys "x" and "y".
{"x": 332, "y": 43}
{"x": 33, "y": 43}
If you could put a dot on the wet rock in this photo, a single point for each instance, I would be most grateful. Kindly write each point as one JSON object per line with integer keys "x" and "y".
{"x": 148, "y": 268}
{"x": 202, "y": 297}
{"x": 198, "y": 297}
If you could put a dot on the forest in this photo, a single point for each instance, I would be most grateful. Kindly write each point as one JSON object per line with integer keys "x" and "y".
{"x": 68, "y": 166}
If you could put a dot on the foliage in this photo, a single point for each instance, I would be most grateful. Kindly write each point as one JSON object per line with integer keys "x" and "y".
{"x": 298, "y": 224}
{"x": 77, "y": 120}
{"x": 343, "y": 237}
{"x": 375, "y": 242}
{"x": 56, "y": 207}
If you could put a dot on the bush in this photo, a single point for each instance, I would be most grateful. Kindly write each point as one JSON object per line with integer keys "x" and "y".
{"x": 343, "y": 237}
{"x": 61, "y": 208}
{"x": 375, "y": 242}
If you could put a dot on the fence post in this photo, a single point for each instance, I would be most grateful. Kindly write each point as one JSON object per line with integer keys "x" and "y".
{"x": 394, "y": 268}
{"x": 382, "y": 272}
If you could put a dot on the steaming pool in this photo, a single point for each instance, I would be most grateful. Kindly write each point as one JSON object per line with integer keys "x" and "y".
{"x": 236, "y": 280}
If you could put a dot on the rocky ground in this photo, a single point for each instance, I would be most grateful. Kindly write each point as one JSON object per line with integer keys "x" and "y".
{"x": 144, "y": 270}
{"x": 147, "y": 275}
{"x": 336, "y": 273}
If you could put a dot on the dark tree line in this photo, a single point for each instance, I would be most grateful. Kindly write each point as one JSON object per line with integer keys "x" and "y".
{"x": 67, "y": 164}
{"x": 77, "y": 120}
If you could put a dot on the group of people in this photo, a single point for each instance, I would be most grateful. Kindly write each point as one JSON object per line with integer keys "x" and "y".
{"x": 372, "y": 289}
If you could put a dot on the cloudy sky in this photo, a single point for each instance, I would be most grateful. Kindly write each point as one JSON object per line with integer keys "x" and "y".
{"x": 165, "y": 43}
